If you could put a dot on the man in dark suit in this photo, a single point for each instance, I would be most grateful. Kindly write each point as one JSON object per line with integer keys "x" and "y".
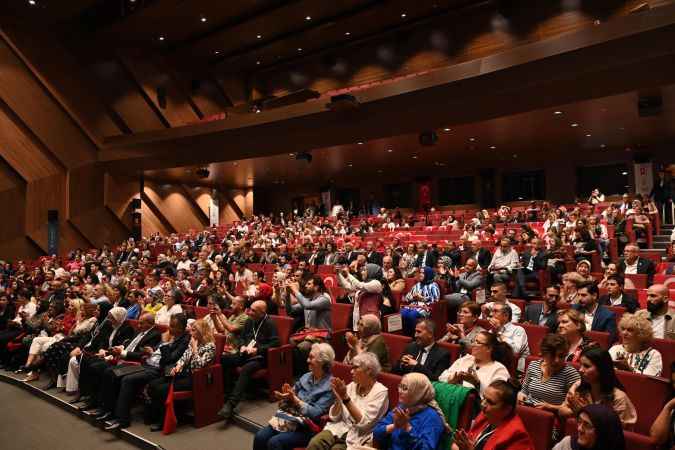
{"x": 426, "y": 257}
{"x": 616, "y": 296}
{"x": 259, "y": 334}
{"x": 631, "y": 263}
{"x": 120, "y": 392}
{"x": 545, "y": 314}
{"x": 148, "y": 336}
{"x": 423, "y": 355}
{"x": 662, "y": 193}
{"x": 350, "y": 254}
{"x": 372, "y": 255}
{"x": 597, "y": 316}
{"x": 531, "y": 262}
{"x": 480, "y": 254}
{"x": 114, "y": 331}
{"x": 316, "y": 257}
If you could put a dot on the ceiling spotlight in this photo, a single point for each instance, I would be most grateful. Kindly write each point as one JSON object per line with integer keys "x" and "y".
{"x": 308, "y": 18}
{"x": 161, "y": 38}
{"x": 360, "y": 143}
{"x": 624, "y": 173}
{"x": 557, "y": 112}
{"x": 349, "y": 164}
{"x": 603, "y": 145}
{"x": 403, "y": 16}
{"x": 414, "y": 157}
{"x": 574, "y": 125}
{"x": 216, "y": 52}
{"x": 299, "y": 49}
{"x": 257, "y": 63}
{"x": 447, "y": 130}
{"x": 588, "y": 135}
{"x": 259, "y": 36}
{"x": 472, "y": 139}
{"x": 203, "y": 19}
{"x": 492, "y": 147}
{"x": 390, "y": 150}
{"x": 32, "y": 2}
{"x": 347, "y": 33}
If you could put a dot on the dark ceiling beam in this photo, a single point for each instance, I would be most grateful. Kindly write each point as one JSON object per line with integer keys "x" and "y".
{"x": 626, "y": 54}
{"x": 308, "y": 26}
{"x": 391, "y": 30}
{"x": 224, "y": 27}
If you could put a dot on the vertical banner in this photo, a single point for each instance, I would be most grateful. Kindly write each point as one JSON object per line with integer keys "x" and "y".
{"x": 644, "y": 178}
{"x": 53, "y": 232}
{"x": 214, "y": 209}
{"x": 424, "y": 195}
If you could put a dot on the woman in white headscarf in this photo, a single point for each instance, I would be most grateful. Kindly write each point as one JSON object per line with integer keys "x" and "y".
{"x": 368, "y": 293}
{"x": 417, "y": 422}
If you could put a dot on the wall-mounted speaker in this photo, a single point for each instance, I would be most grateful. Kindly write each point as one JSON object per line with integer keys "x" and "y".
{"x": 161, "y": 97}
{"x": 52, "y": 215}
{"x": 136, "y": 203}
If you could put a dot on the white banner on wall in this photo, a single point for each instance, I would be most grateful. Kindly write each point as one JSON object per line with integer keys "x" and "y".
{"x": 644, "y": 178}
{"x": 214, "y": 210}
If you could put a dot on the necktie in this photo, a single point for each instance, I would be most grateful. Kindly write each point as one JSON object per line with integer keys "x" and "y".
{"x": 132, "y": 345}
{"x": 421, "y": 355}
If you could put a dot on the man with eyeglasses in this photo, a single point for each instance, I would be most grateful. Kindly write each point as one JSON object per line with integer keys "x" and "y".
{"x": 498, "y": 296}
{"x": 545, "y": 314}
{"x": 504, "y": 262}
{"x": 632, "y": 264}
{"x": 514, "y": 335}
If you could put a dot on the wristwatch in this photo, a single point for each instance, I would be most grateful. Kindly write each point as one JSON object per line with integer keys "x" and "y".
{"x": 346, "y": 400}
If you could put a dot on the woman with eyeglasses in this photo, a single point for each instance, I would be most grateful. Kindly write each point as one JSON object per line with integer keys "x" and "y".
{"x": 417, "y": 422}
{"x": 598, "y": 427}
{"x": 467, "y": 329}
{"x": 487, "y": 363}
{"x": 497, "y": 426}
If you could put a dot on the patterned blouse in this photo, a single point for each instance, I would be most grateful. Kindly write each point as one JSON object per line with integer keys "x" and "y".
{"x": 205, "y": 356}
{"x": 430, "y": 292}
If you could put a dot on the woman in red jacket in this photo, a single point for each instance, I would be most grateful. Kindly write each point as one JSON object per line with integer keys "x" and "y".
{"x": 497, "y": 427}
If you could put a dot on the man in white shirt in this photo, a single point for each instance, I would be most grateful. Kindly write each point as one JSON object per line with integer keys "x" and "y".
{"x": 184, "y": 263}
{"x": 504, "y": 261}
{"x": 514, "y": 335}
{"x": 660, "y": 315}
{"x": 498, "y": 296}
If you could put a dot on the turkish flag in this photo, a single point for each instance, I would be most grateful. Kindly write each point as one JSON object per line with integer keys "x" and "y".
{"x": 169, "y": 414}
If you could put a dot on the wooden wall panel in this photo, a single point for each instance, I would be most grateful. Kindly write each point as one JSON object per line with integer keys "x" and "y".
{"x": 123, "y": 96}
{"x": 62, "y": 75}
{"x": 100, "y": 226}
{"x": 119, "y": 191}
{"x": 150, "y": 223}
{"x": 86, "y": 189}
{"x": 43, "y": 195}
{"x": 151, "y": 75}
{"x": 69, "y": 238}
{"x": 38, "y": 111}
{"x": 171, "y": 202}
{"x": 21, "y": 151}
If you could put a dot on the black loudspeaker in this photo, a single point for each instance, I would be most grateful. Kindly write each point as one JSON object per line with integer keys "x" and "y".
{"x": 136, "y": 203}
{"x": 136, "y": 225}
{"x": 161, "y": 97}
{"x": 52, "y": 215}
{"x": 195, "y": 85}
{"x": 428, "y": 138}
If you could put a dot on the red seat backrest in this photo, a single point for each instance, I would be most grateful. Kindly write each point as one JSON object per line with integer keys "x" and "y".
{"x": 133, "y": 323}
{"x": 520, "y": 304}
{"x": 601, "y": 337}
{"x": 648, "y": 394}
{"x": 667, "y": 349}
{"x": 396, "y": 344}
{"x": 341, "y": 316}
{"x": 284, "y": 327}
{"x": 391, "y": 381}
{"x": 201, "y": 311}
{"x": 535, "y": 334}
{"x": 409, "y": 283}
{"x": 638, "y": 279}
{"x": 453, "y": 349}
{"x": 342, "y": 371}
{"x": 539, "y": 424}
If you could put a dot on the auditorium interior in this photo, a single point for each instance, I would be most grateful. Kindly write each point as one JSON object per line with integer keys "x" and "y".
{"x": 480, "y": 190}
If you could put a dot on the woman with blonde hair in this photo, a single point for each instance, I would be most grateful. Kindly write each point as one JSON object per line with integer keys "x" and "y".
{"x": 572, "y": 326}
{"x": 201, "y": 352}
{"x": 570, "y": 283}
{"x": 416, "y": 422}
{"x": 635, "y": 354}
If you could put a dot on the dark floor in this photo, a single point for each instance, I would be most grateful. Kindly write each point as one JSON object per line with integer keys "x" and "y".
{"x": 30, "y": 422}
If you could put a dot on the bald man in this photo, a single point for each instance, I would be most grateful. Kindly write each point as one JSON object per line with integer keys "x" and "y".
{"x": 660, "y": 314}
{"x": 259, "y": 334}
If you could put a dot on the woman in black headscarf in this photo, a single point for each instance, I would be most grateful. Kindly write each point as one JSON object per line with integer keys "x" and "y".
{"x": 598, "y": 428}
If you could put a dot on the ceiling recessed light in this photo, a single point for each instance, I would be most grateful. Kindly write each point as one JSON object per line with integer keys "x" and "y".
{"x": 259, "y": 36}
{"x": 308, "y": 18}
{"x": 203, "y": 19}
{"x": 603, "y": 145}
{"x": 350, "y": 164}
{"x": 557, "y": 112}
{"x": 472, "y": 139}
{"x": 403, "y": 15}
{"x": 291, "y": 154}
{"x": 588, "y": 135}
{"x": 32, "y": 2}
{"x": 235, "y": 163}
{"x": 574, "y": 125}
{"x": 492, "y": 147}
{"x": 624, "y": 173}
{"x": 414, "y": 157}
{"x": 447, "y": 130}
{"x": 390, "y": 150}
{"x": 379, "y": 170}
{"x": 515, "y": 155}
{"x": 299, "y": 49}
{"x": 347, "y": 33}
{"x": 257, "y": 63}
{"x": 216, "y": 52}
{"x": 360, "y": 143}
{"x": 621, "y": 128}
{"x": 161, "y": 38}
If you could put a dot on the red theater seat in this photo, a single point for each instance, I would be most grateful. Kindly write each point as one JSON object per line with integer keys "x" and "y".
{"x": 648, "y": 394}
{"x": 535, "y": 334}
{"x": 539, "y": 425}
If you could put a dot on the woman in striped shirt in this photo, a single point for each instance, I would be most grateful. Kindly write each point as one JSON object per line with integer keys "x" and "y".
{"x": 419, "y": 300}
